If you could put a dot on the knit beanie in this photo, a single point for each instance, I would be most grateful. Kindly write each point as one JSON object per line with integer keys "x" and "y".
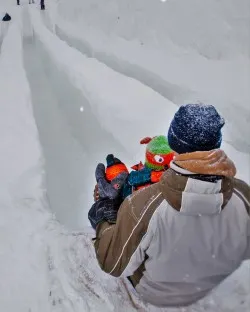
{"x": 114, "y": 167}
{"x": 195, "y": 127}
{"x": 158, "y": 152}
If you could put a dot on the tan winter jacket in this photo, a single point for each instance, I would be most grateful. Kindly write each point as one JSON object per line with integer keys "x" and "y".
{"x": 181, "y": 237}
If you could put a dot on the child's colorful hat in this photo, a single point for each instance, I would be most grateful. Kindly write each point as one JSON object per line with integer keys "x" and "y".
{"x": 158, "y": 152}
{"x": 114, "y": 167}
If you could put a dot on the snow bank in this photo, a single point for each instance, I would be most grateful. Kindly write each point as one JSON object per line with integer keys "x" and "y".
{"x": 21, "y": 192}
{"x": 204, "y": 27}
{"x": 43, "y": 268}
{"x": 205, "y": 58}
{"x": 18, "y": 128}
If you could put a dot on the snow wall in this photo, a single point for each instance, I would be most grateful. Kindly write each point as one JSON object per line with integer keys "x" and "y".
{"x": 23, "y": 210}
{"x": 185, "y": 50}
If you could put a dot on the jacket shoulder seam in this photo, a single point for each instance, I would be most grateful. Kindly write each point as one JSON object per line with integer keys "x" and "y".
{"x": 243, "y": 199}
{"x": 133, "y": 230}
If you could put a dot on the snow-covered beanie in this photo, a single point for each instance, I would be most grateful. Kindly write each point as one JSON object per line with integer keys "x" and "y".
{"x": 158, "y": 152}
{"x": 195, "y": 127}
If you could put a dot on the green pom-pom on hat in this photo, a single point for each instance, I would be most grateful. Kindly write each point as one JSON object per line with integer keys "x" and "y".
{"x": 159, "y": 145}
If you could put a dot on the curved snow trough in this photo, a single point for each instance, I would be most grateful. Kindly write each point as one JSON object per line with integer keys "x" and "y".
{"x": 74, "y": 118}
{"x": 43, "y": 267}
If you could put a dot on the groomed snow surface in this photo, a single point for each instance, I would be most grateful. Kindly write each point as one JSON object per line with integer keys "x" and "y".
{"x": 64, "y": 106}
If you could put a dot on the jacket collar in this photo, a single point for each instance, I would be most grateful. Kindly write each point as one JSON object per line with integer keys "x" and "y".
{"x": 198, "y": 176}
{"x": 195, "y": 197}
{"x": 214, "y": 162}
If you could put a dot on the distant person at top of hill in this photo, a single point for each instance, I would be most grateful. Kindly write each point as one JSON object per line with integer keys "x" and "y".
{"x": 42, "y": 5}
{"x": 30, "y": 2}
{"x": 178, "y": 239}
{"x": 6, "y": 18}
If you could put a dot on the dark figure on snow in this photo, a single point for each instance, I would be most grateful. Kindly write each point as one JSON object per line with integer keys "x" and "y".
{"x": 6, "y": 18}
{"x": 18, "y": 2}
{"x": 31, "y": 1}
{"x": 42, "y": 5}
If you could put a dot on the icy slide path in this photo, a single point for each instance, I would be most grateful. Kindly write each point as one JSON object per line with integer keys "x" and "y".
{"x": 79, "y": 130}
{"x": 71, "y": 139}
{"x": 43, "y": 266}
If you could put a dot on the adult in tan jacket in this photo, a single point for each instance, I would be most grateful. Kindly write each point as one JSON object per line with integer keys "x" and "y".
{"x": 178, "y": 239}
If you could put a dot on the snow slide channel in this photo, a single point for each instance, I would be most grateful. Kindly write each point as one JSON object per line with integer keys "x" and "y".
{"x": 43, "y": 267}
{"x": 71, "y": 137}
{"x": 81, "y": 109}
